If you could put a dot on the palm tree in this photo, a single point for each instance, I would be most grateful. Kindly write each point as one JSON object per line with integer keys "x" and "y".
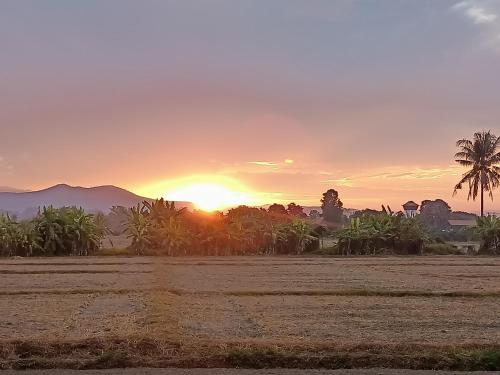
{"x": 482, "y": 156}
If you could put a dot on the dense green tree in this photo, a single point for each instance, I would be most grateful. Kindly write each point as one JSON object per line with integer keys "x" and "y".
{"x": 435, "y": 215}
{"x": 365, "y": 212}
{"x": 314, "y": 214}
{"x": 277, "y": 209}
{"x": 332, "y": 206}
{"x": 295, "y": 210}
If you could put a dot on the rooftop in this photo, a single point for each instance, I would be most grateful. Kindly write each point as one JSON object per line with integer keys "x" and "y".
{"x": 410, "y": 205}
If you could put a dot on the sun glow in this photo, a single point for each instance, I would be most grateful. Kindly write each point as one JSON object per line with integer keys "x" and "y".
{"x": 208, "y": 196}
{"x": 206, "y": 192}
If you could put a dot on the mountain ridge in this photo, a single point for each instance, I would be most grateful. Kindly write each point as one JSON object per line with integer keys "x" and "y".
{"x": 25, "y": 204}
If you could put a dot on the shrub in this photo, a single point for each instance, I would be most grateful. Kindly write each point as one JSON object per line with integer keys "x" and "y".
{"x": 441, "y": 249}
{"x": 488, "y": 228}
{"x": 381, "y": 233}
{"x": 63, "y": 231}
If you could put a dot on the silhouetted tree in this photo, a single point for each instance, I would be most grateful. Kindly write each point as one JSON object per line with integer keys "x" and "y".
{"x": 435, "y": 214}
{"x": 332, "y": 206}
{"x": 277, "y": 209}
{"x": 314, "y": 214}
{"x": 296, "y": 210}
{"x": 482, "y": 156}
{"x": 364, "y": 213}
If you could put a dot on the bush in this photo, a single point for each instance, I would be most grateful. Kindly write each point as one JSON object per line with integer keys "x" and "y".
{"x": 63, "y": 231}
{"x": 441, "y": 249}
{"x": 382, "y": 233}
{"x": 488, "y": 228}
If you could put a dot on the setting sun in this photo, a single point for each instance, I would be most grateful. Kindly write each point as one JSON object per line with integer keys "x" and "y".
{"x": 208, "y": 196}
{"x": 206, "y": 192}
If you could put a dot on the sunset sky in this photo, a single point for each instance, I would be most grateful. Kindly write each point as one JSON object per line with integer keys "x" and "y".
{"x": 275, "y": 100}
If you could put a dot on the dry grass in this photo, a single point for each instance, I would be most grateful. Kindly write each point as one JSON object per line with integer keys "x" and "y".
{"x": 334, "y": 276}
{"x": 340, "y": 319}
{"x": 62, "y": 272}
{"x": 136, "y": 351}
{"x": 423, "y": 312}
{"x": 71, "y": 316}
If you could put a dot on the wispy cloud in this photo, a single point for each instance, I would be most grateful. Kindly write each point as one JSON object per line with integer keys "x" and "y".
{"x": 421, "y": 173}
{"x": 263, "y": 163}
{"x": 485, "y": 14}
{"x": 286, "y": 162}
{"x": 345, "y": 181}
{"x": 396, "y": 173}
{"x": 477, "y": 11}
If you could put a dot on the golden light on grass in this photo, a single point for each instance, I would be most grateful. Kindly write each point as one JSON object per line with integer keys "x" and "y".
{"x": 206, "y": 192}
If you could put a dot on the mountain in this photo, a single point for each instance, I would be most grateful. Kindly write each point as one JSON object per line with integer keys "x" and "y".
{"x": 93, "y": 199}
{"x": 9, "y": 189}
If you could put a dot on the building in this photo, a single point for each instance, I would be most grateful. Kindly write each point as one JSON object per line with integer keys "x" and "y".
{"x": 410, "y": 209}
{"x": 461, "y": 224}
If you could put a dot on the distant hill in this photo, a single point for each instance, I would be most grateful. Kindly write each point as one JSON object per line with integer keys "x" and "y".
{"x": 9, "y": 189}
{"x": 93, "y": 199}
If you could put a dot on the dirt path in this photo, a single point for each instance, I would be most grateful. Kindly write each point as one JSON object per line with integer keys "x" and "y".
{"x": 240, "y": 372}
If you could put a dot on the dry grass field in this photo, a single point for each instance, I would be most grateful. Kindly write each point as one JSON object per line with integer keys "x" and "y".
{"x": 95, "y": 312}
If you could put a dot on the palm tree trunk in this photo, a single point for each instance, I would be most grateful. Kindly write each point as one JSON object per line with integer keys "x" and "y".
{"x": 482, "y": 199}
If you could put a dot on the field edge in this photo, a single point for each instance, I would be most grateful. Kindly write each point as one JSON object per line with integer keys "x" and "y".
{"x": 150, "y": 352}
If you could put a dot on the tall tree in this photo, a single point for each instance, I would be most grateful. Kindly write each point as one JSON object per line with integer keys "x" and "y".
{"x": 435, "y": 214}
{"x": 482, "y": 156}
{"x": 332, "y": 206}
{"x": 277, "y": 209}
{"x": 296, "y": 210}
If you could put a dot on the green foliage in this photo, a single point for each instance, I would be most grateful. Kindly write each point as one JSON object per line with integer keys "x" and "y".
{"x": 137, "y": 228}
{"x": 159, "y": 228}
{"x": 63, "y": 231}
{"x": 18, "y": 238}
{"x": 465, "y": 234}
{"x": 441, "y": 249}
{"x": 488, "y": 228}
{"x": 383, "y": 232}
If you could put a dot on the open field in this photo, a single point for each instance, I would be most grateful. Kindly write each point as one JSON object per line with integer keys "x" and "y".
{"x": 95, "y": 312}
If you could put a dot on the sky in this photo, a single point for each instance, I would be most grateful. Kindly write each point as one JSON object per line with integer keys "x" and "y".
{"x": 276, "y": 99}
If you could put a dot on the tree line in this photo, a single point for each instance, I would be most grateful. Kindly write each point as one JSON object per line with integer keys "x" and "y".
{"x": 160, "y": 228}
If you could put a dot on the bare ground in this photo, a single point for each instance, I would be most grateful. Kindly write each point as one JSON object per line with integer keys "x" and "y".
{"x": 145, "y": 371}
{"x": 435, "y": 312}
